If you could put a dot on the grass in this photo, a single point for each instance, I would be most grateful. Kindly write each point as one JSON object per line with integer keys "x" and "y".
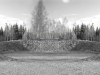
{"x": 50, "y": 68}
{"x": 87, "y": 46}
{"x": 28, "y": 63}
{"x": 82, "y": 46}
{"x": 11, "y": 46}
{"x": 47, "y": 67}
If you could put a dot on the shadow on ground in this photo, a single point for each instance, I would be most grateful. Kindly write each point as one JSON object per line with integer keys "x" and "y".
{"x": 28, "y": 56}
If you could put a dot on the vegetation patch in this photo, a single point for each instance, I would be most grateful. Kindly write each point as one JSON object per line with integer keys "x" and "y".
{"x": 87, "y": 46}
{"x": 49, "y": 45}
{"x": 11, "y": 46}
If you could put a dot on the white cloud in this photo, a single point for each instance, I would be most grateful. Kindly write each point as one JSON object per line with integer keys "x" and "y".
{"x": 68, "y": 24}
{"x": 65, "y": 1}
{"x": 9, "y": 20}
{"x": 59, "y": 19}
{"x": 27, "y": 22}
{"x": 89, "y": 20}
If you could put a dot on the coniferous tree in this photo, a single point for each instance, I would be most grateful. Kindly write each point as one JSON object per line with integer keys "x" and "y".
{"x": 16, "y": 31}
{"x": 1, "y": 34}
{"x": 39, "y": 19}
{"x": 12, "y": 33}
{"x": 92, "y": 33}
{"x": 97, "y": 34}
{"x": 77, "y": 30}
{"x": 87, "y": 33}
{"x": 21, "y": 32}
{"x": 82, "y": 32}
{"x": 6, "y": 33}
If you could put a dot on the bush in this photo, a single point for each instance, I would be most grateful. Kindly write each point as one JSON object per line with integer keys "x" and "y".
{"x": 11, "y": 46}
{"x": 87, "y": 46}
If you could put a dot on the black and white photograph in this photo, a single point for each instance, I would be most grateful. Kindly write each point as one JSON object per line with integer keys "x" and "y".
{"x": 49, "y": 37}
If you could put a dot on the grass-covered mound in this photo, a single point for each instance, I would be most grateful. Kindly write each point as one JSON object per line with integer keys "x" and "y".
{"x": 11, "y": 46}
{"x": 87, "y": 46}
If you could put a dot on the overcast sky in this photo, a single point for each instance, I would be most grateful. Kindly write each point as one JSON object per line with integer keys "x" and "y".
{"x": 72, "y": 9}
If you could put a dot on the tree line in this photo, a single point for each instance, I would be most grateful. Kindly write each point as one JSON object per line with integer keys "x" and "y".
{"x": 87, "y": 32}
{"x": 43, "y": 27}
{"x": 12, "y": 32}
{"x": 54, "y": 30}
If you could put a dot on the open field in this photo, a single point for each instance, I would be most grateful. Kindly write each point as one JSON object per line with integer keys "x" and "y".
{"x": 41, "y": 64}
{"x": 30, "y": 63}
{"x": 49, "y": 68}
